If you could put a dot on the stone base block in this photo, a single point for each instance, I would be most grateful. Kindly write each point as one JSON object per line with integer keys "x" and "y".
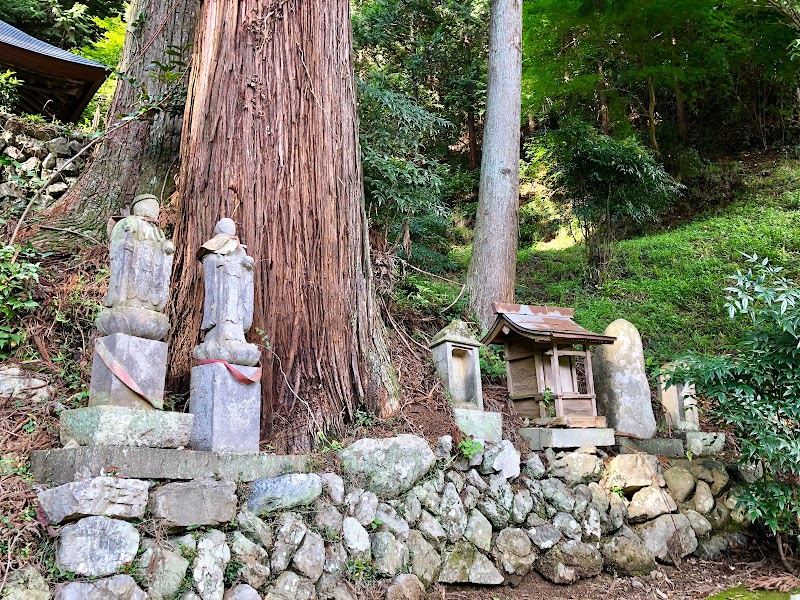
{"x": 703, "y": 443}
{"x": 482, "y": 425}
{"x": 145, "y": 361}
{"x": 62, "y": 465}
{"x": 119, "y": 426}
{"x": 671, "y": 447}
{"x": 540, "y": 438}
{"x": 227, "y": 413}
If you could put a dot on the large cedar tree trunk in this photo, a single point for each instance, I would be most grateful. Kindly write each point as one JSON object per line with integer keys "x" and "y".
{"x": 270, "y": 139}
{"x": 492, "y": 267}
{"x": 140, "y": 157}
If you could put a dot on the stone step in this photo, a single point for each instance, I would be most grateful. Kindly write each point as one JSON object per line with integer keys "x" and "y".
{"x": 62, "y": 465}
{"x": 121, "y": 426}
{"x": 540, "y": 438}
{"x": 671, "y": 447}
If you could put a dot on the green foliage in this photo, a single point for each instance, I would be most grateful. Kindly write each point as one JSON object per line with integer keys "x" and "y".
{"x": 602, "y": 183}
{"x": 18, "y": 272}
{"x": 757, "y": 389}
{"x": 493, "y": 366}
{"x": 469, "y": 448}
{"x": 64, "y": 23}
{"x": 8, "y": 88}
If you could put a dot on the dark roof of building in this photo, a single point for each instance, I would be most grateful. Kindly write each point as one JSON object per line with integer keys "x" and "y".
{"x": 14, "y": 37}
{"x": 541, "y": 324}
{"x": 55, "y": 82}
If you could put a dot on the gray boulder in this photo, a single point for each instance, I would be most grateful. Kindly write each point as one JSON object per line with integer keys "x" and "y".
{"x": 628, "y": 556}
{"x": 479, "y": 530}
{"x": 356, "y": 540}
{"x": 558, "y": 494}
{"x": 544, "y": 535}
{"x": 198, "y": 502}
{"x": 713, "y": 547}
{"x": 96, "y": 546}
{"x": 568, "y": 526}
{"x": 576, "y": 467}
{"x": 699, "y": 523}
{"x": 406, "y": 587}
{"x": 392, "y": 522}
{"x": 680, "y": 482}
{"x": 649, "y": 503}
{"x": 328, "y": 520}
{"x": 424, "y": 561}
{"x": 501, "y": 458}
{"x": 310, "y": 556}
{"x": 669, "y": 537}
{"x": 254, "y": 528}
{"x": 463, "y": 563}
{"x": 533, "y": 466}
{"x": 98, "y": 496}
{"x": 288, "y": 537}
{"x": 632, "y": 472}
{"x": 452, "y": 515}
{"x": 514, "y": 551}
{"x": 119, "y": 587}
{"x": 497, "y": 515}
{"x": 521, "y": 506}
{"x": 333, "y": 486}
{"x": 703, "y": 501}
{"x": 290, "y": 586}
{"x": 26, "y": 584}
{"x": 569, "y": 562}
{"x": 254, "y": 559}
{"x": 284, "y": 492}
{"x": 388, "y": 467}
{"x": 432, "y": 530}
{"x": 389, "y": 555}
{"x": 242, "y": 591}
{"x": 213, "y": 555}
{"x": 165, "y": 570}
{"x": 620, "y": 380}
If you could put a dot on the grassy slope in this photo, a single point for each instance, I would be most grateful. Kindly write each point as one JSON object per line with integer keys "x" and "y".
{"x": 670, "y": 285}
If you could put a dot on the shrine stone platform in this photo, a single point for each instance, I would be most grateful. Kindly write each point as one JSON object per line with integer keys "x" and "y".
{"x": 62, "y": 465}
{"x": 672, "y": 447}
{"x": 480, "y": 424}
{"x": 540, "y": 438}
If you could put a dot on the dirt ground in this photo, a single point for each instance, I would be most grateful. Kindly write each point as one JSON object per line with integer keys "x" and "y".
{"x": 695, "y": 579}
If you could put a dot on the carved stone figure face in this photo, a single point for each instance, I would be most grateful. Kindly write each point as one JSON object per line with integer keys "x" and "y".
{"x": 147, "y": 208}
{"x": 226, "y": 226}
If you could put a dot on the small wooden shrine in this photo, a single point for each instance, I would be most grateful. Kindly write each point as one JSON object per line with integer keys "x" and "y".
{"x": 548, "y": 364}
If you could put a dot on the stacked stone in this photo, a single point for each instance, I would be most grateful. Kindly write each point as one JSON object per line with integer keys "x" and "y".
{"x": 38, "y": 150}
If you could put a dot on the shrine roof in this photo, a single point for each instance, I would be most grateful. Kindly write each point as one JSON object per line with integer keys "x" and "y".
{"x": 540, "y": 324}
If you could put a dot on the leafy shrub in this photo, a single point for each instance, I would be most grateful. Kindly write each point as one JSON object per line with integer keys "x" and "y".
{"x": 8, "y": 88}
{"x": 17, "y": 272}
{"x": 603, "y": 183}
{"x": 757, "y": 390}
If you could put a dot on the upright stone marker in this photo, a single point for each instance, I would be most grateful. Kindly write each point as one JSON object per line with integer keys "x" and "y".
{"x": 679, "y": 402}
{"x": 620, "y": 381}
{"x": 455, "y": 354}
{"x": 130, "y": 363}
{"x": 225, "y": 389}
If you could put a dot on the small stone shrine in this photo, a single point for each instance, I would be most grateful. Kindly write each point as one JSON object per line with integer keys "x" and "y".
{"x": 455, "y": 354}
{"x": 225, "y": 392}
{"x": 678, "y": 401}
{"x": 130, "y": 360}
{"x": 549, "y": 372}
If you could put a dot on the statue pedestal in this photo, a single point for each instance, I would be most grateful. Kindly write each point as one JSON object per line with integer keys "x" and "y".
{"x": 145, "y": 362}
{"x": 226, "y": 412}
{"x": 118, "y": 426}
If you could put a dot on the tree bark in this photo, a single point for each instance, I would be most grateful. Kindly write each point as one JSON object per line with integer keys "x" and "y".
{"x": 651, "y": 114}
{"x": 680, "y": 113}
{"x": 492, "y": 266}
{"x": 270, "y": 139}
{"x": 140, "y": 157}
{"x": 473, "y": 140}
{"x": 604, "y": 122}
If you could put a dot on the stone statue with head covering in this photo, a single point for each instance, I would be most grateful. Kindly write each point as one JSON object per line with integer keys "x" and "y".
{"x": 141, "y": 262}
{"x": 228, "y": 306}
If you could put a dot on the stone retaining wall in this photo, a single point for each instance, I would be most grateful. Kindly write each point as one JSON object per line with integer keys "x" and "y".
{"x": 397, "y": 512}
{"x": 38, "y": 149}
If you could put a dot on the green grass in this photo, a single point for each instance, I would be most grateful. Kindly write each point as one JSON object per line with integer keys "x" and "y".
{"x": 742, "y": 593}
{"x": 670, "y": 285}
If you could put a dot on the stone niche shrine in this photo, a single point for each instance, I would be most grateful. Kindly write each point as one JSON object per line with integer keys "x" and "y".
{"x": 550, "y": 377}
{"x": 225, "y": 395}
{"x": 455, "y": 354}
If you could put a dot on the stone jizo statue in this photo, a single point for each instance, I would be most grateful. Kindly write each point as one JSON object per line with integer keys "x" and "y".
{"x": 141, "y": 262}
{"x": 228, "y": 306}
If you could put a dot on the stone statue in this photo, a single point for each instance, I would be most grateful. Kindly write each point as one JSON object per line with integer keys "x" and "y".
{"x": 228, "y": 306}
{"x": 141, "y": 262}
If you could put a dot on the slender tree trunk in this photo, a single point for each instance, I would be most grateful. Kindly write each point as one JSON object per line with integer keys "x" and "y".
{"x": 270, "y": 139}
{"x": 492, "y": 267}
{"x": 651, "y": 114}
{"x": 604, "y": 124}
{"x": 140, "y": 157}
{"x": 473, "y": 140}
{"x": 680, "y": 113}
